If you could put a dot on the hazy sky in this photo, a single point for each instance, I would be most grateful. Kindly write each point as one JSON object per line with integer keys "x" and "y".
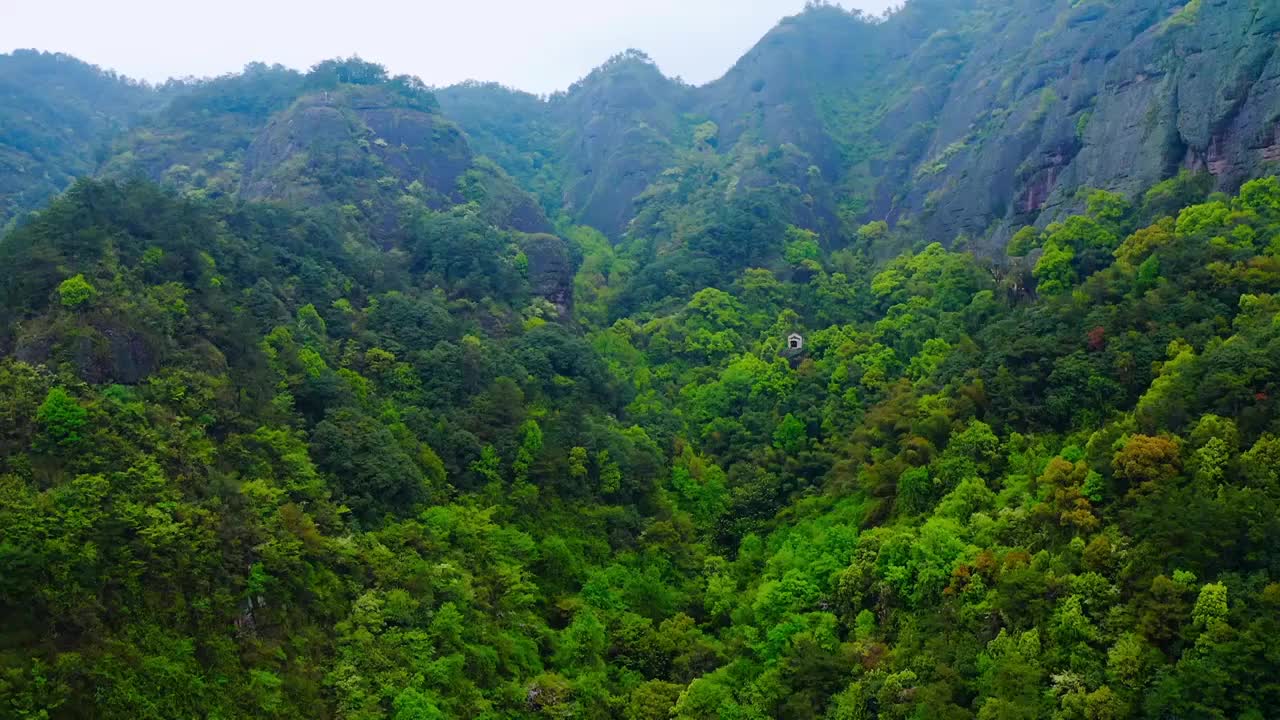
{"x": 536, "y": 45}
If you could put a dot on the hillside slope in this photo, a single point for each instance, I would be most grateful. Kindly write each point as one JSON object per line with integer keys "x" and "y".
{"x": 256, "y": 464}
{"x": 56, "y": 113}
{"x": 973, "y": 117}
{"x": 346, "y": 132}
{"x": 336, "y": 397}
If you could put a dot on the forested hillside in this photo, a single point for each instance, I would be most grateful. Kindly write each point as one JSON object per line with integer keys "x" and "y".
{"x": 327, "y": 395}
{"x": 55, "y": 113}
{"x": 971, "y": 117}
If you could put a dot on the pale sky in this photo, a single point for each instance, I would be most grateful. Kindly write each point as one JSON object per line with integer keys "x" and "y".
{"x": 535, "y": 45}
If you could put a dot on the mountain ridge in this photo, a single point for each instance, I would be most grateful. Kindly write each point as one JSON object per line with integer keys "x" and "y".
{"x": 908, "y": 165}
{"x": 899, "y": 113}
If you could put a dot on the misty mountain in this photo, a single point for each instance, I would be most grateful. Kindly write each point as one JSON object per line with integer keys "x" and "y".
{"x": 968, "y": 117}
{"x": 965, "y": 117}
{"x": 56, "y": 114}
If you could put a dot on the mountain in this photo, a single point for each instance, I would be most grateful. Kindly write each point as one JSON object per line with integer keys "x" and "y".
{"x": 197, "y": 141}
{"x": 970, "y": 118}
{"x": 345, "y": 131}
{"x": 55, "y": 114}
{"x": 922, "y": 366}
{"x": 594, "y": 148}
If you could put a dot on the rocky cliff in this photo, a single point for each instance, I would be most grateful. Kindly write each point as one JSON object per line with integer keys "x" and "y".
{"x": 345, "y": 137}
{"x": 970, "y": 117}
{"x": 1199, "y": 89}
{"x": 348, "y": 143}
{"x": 1111, "y": 95}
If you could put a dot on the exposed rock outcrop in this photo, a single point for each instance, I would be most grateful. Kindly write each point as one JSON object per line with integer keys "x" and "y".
{"x": 973, "y": 117}
{"x": 356, "y": 138}
{"x": 551, "y": 270}
{"x": 969, "y": 117}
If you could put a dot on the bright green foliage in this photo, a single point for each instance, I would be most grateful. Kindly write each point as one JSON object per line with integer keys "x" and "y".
{"x": 75, "y": 291}
{"x": 1053, "y": 271}
{"x": 802, "y": 247}
{"x": 530, "y": 446}
{"x": 323, "y": 462}
{"x": 1211, "y": 605}
{"x": 1023, "y": 242}
{"x": 790, "y": 435}
{"x": 62, "y": 419}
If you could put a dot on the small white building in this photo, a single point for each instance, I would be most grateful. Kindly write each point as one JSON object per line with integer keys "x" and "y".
{"x": 795, "y": 341}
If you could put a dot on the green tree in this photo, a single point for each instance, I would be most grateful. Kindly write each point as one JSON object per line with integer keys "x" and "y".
{"x": 62, "y": 418}
{"x": 1053, "y": 271}
{"x": 790, "y": 435}
{"x": 1211, "y": 605}
{"x": 75, "y": 292}
{"x": 372, "y": 471}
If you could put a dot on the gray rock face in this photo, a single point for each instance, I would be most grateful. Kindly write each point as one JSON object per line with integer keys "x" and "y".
{"x": 968, "y": 117}
{"x": 551, "y": 270}
{"x": 331, "y": 143}
{"x": 1056, "y": 96}
{"x": 973, "y": 117}
{"x": 1197, "y": 90}
{"x": 1019, "y": 112}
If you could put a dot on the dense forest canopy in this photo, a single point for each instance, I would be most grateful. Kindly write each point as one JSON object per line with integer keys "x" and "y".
{"x": 326, "y": 394}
